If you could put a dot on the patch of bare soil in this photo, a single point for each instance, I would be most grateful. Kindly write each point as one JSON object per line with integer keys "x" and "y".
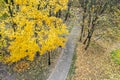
{"x": 96, "y": 63}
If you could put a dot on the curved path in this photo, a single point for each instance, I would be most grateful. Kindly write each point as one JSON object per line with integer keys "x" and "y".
{"x": 63, "y": 65}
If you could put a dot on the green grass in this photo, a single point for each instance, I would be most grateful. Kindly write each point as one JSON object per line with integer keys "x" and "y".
{"x": 116, "y": 56}
{"x": 72, "y": 67}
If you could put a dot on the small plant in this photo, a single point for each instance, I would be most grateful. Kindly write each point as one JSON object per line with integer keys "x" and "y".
{"x": 116, "y": 55}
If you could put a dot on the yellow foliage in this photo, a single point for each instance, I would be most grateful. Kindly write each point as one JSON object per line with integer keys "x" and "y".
{"x": 32, "y": 29}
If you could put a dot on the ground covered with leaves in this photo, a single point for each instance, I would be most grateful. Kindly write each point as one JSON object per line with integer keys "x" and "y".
{"x": 96, "y": 63}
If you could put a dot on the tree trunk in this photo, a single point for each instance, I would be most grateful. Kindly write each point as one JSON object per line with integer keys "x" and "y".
{"x": 58, "y": 14}
{"x": 82, "y": 29}
{"x": 68, "y": 11}
{"x": 49, "y": 60}
{"x": 89, "y": 38}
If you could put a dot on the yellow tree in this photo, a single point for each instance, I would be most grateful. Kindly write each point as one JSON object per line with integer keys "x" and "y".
{"x": 30, "y": 28}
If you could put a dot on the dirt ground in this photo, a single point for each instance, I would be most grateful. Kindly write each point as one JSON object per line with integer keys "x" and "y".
{"x": 96, "y": 63}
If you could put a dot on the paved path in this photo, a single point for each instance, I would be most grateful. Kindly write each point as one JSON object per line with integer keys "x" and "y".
{"x": 63, "y": 65}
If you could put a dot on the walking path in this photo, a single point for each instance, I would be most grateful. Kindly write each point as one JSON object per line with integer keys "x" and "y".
{"x": 62, "y": 68}
{"x": 63, "y": 65}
